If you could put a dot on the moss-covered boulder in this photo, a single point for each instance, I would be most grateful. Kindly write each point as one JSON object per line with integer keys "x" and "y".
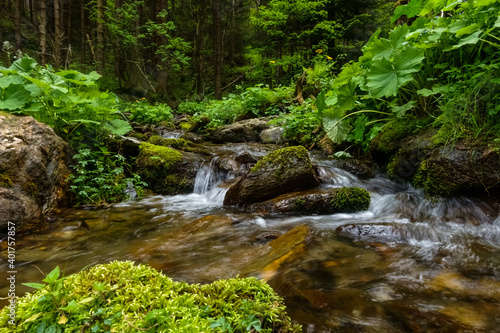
{"x": 33, "y": 172}
{"x": 166, "y": 170}
{"x": 338, "y": 200}
{"x": 122, "y": 297}
{"x": 281, "y": 171}
{"x": 179, "y": 144}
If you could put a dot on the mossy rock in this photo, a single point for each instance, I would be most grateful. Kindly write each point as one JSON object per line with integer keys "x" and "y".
{"x": 5, "y": 181}
{"x": 179, "y": 144}
{"x": 322, "y": 201}
{"x": 122, "y": 297}
{"x": 281, "y": 171}
{"x": 434, "y": 179}
{"x": 164, "y": 169}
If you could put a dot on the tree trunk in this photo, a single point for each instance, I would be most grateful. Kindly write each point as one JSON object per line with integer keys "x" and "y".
{"x": 198, "y": 53}
{"x": 100, "y": 37}
{"x": 217, "y": 20}
{"x": 57, "y": 34}
{"x": 232, "y": 49}
{"x": 83, "y": 40}
{"x": 43, "y": 32}
{"x": 17, "y": 15}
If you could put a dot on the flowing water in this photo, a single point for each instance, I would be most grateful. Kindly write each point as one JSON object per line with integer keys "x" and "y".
{"x": 405, "y": 265}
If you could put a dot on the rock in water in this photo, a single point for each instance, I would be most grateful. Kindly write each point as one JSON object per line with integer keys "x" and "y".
{"x": 33, "y": 170}
{"x": 281, "y": 171}
{"x": 240, "y": 131}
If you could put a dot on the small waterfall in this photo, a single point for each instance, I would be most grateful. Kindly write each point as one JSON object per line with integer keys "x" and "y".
{"x": 208, "y": 177}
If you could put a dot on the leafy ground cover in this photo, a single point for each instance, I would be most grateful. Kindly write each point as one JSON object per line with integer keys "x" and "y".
{"x": 122, "y": 297}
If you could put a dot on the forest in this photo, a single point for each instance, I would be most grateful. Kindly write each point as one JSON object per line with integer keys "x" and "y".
{"x": 345, "y": 153}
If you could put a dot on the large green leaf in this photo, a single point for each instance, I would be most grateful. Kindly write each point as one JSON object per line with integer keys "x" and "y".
{"x": 471, "y": 39}
{"x": 25, "y": 65}
{"x": 6, "y": 81}
{"x": 118, "y": 127}
{"x": 335, "y": 127}
{"x": 14, "y": 97}
{"x": 348, "y": 72}
{"x": 410, "y": 10}
{"x": 386, "y": 77}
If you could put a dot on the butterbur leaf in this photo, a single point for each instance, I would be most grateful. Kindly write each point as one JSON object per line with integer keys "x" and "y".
{"x": 400, "y": 110}
{"x": 6, "y": 81}
{"x": 385, "y": 77}
{"x": 118, "y": 127}
{"x": 359, "y": 128}
{"x": 320, "y": 101}
{"x": 52, "y": 276}
{"x": 336, "y": 128}
{"x": 348, "y": 72}
{"x": 26, "y": 64}
{"x": 15, "y": 97}
{"x": 410, "y": 10}
{"x": 472, "y": 39}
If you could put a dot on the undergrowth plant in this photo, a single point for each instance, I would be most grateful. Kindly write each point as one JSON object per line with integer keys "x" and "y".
{"x": 143, "y": 112}
{"x": 122, "y": 297}
{"x": 100, "y": 177}
{"x": 444, "y": 64}
{"x": 65, "y": 100}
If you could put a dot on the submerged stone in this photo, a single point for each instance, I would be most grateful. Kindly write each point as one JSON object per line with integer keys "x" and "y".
{"x": 281, "y": 171}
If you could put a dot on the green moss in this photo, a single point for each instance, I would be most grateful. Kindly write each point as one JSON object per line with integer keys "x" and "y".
{"x": 140, "y": 136}
{"x": 31, "y": 189}
{"x": 446, "y": 134}
{"x": 5, "y": 181}
{"x": 350, "y": 199}
{"x": 281, "y": 159}
{"x": 433, "y": 179}
{"x": 185, "y": 126}
{"x": 161, "y": 167}
{"x": 398, "y": 129}
{"x": 174, "y": 143}
{"x": 122, "y": 297}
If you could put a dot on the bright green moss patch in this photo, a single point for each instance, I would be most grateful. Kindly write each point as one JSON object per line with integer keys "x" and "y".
{"x": 283, "y": 158}
{"x": 162, "y": 168}
{"x": 350, "y": 199}
{"x": 121, "y": 297}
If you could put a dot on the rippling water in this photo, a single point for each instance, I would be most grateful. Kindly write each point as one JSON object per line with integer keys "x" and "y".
{"x": 405, "y": 265}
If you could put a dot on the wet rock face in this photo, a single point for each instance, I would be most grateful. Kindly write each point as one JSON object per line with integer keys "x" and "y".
{"x": 338, "y": 200}
{"x": 33, "y": 170}
{"x": 281, "y": 171}
{"x": 240, "y": 131}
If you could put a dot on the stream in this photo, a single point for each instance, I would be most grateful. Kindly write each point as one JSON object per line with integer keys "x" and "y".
{"x": 405, "y": 265}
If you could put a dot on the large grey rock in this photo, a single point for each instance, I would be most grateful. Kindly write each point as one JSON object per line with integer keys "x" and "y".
{"x": 272, "y": 135}
{"x": 281, "y": 171}
{"x": 33, "y": 170}
{"x": 240, "y": 131}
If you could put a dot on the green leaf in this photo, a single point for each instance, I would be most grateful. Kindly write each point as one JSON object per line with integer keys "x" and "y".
{"x": 410, "y": 10}
{"x": 33, "y": 317}
{"x": 400, "y": 111}
{"x": 52, "y": 276}
{"x": 34, "y": 285}
{"x": 432, "y": 5}
{"x": 320, "y": 101}
{"x": 118, "y": 127}
{"x": 468, "y": 29}
{"x": 336, "y": 128}
{"x": 25, "y": 65}
{"x": 385, "y": 77}
{"x": 14, "y": 97}
{"x": 359, "y": 128}
{"x": 71, "y": 306}
{"x": 472, "y": 39}
{"x": 345, "y": 96}
{"x": 348, "y": 72}
{"x": 6, "y": 81}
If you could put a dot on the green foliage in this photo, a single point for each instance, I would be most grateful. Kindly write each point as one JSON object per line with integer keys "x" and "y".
{"x": 100, "y": 177}
{"x": 64, "y": 100}
{"x": 300, "y": 123}
{"x": 258, "y": 100}
{"x": 440, "y": 63}
{"x": 191, "y": 108}
{"x": 144, "y": 113}
{"x": 121, "y": 297}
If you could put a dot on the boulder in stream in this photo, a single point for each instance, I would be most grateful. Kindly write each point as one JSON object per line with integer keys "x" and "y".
{"x": 281, "y": 171}
{"x": 33, "y": 171}
{"x": 166, "y": 170}
{"x": 324, "y": 201}
{"x": 240, "y": 131}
